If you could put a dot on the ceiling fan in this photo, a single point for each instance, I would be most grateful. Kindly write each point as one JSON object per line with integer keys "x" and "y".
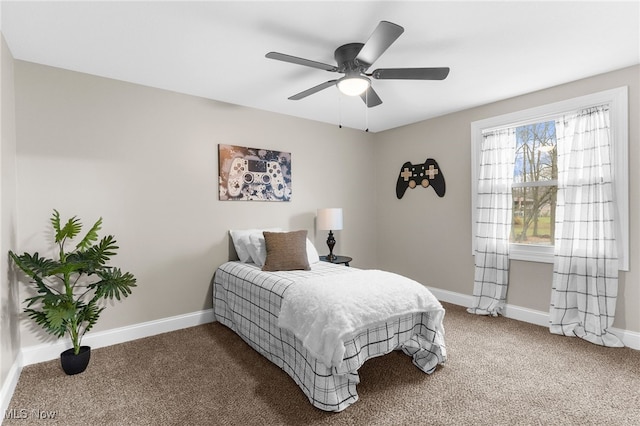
{"x": 354, "y": 59}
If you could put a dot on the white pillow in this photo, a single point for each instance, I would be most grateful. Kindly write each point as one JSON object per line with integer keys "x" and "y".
{"x": 258, "y": 250}
{"x": 312, "y": 253}
{"x": 240, "y": 239}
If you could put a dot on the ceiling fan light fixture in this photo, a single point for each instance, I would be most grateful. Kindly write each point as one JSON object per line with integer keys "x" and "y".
{"x": 353, "y": 85}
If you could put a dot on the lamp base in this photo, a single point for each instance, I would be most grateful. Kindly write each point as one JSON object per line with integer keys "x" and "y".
{"x": 331, "y": 242}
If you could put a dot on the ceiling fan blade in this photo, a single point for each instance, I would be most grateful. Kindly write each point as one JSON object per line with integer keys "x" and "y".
{"x": 313, "y": 90}
{"x": 371, "y": 98}
{"x": 382, "y": 37}
{"x": 410, "y": 73}
{"x": 300, "y": 61}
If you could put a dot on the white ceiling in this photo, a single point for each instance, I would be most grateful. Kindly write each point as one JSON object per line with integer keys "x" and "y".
{"x": 216, "y": 50}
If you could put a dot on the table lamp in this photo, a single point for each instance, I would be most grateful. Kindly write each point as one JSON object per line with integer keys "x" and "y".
{"x": 330, "y": 219}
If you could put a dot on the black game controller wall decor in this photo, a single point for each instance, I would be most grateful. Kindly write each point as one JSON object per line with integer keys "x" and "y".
{"x": 427, "y": 174}
{"x": 253, "y": 174}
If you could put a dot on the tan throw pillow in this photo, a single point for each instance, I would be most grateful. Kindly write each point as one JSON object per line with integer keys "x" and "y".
{"x": 286, "y": 251}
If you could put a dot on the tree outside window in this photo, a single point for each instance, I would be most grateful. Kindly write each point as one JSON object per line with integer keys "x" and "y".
{"x": 535, "y": 184}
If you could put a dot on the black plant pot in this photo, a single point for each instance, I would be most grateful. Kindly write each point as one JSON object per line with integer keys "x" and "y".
{"x": 74, "y": 364}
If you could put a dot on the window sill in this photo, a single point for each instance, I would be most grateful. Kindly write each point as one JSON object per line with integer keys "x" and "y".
{"x": 531, "y": 253}
{"x": 537, "y": 253}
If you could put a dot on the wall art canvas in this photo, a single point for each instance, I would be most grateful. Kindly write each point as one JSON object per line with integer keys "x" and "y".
{"x": 253, "y": 174}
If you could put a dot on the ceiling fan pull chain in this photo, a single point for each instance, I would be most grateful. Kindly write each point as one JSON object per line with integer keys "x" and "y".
{"x": 366, "y": 110}
{"x": 339, "y": 111}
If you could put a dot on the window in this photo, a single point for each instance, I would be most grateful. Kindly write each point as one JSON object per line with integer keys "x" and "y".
{"x": 535, "y": 183}
{"x": 535, "y": 173}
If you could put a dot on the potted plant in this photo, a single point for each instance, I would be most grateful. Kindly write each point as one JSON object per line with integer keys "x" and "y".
{"x": 71, "y": 290}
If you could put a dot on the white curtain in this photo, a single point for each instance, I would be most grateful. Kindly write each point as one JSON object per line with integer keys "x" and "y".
{"x": 493, "y": 222}
{"x": 585, "y": 271}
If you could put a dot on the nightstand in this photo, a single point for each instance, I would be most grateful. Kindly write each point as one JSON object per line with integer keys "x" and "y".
{"x": 338, "y": 260}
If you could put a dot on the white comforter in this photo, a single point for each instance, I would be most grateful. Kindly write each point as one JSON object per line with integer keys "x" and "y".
{"x": 324, "y": 312}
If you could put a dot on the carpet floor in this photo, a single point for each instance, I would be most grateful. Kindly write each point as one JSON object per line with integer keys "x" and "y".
{"x": 499, "y": 372}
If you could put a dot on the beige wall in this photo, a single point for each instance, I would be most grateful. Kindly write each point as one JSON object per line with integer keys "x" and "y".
{"x": 9, "y": 331}
{"x": 429, "y": 238}
{"x": 146, "y": 161}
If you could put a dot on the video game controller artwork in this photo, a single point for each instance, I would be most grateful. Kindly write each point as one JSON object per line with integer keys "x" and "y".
{"x": 427, "y": 174}
{"x": 253, "y": 174}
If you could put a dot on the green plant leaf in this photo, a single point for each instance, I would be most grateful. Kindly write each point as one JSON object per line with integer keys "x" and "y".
{"x": 89, "y": 314}
{"x": 37, "y": 268}
{"x": 34, "y": 265}
{"x": 113, "y": 283}
{"x": 83, "y": 262}
{"x": 47, "y": 298}
{"x": 100, "y": 253}
{"x": 55, "y": 221}
{"x": 57, "y": 315}
{"x": 70, "y": 230}
{"x": 91, "y": 236}
{"x": 94, "y": 258}
{"x": 69, "y": 267}
{"x": 41, "y": 318}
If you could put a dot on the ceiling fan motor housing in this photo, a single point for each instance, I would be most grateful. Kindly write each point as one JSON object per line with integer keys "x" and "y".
{"x": 345, "y": 57}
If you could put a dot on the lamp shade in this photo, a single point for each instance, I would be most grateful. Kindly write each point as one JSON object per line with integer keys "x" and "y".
{"x": 330, "y": 219}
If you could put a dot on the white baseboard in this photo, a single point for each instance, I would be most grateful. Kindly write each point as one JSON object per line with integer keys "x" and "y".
{"x": 630, "y": 339}
{"x": 9, "y": 385}
{"x": 48, "y": 351}
{"x": 531, "y": 316}
{"x": 451, "y": 297}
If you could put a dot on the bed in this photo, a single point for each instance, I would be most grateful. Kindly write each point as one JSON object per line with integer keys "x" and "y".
{"x": 260, "y": 306}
